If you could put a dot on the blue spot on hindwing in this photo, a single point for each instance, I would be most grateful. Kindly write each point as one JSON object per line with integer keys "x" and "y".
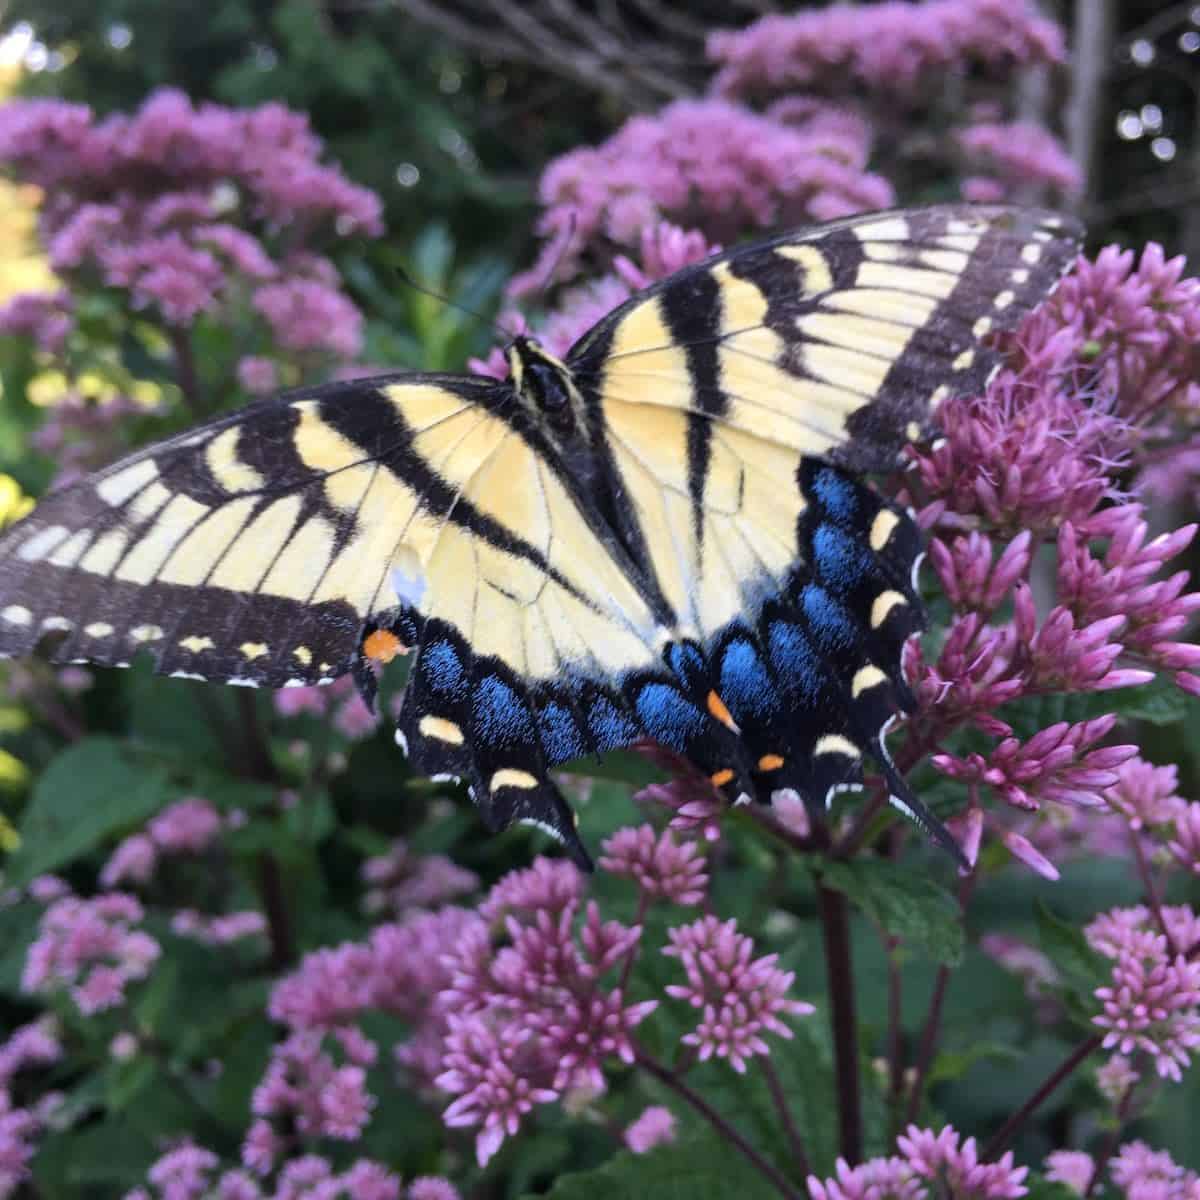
{"x": 687, "y": 662}
{"x": 795, "y": 659}
{"x": 830, "y": 623}
{"x": 667, "y": 716}
{"x": 609, "y": 726}
{"x": 839, "y": 559}
{"x": 500, "y": 715}
{"x": 561, "y": 739}
{"x": 836, "y": 494}
{"x": 442, "y": 670}
{"x": 746, "y": 684}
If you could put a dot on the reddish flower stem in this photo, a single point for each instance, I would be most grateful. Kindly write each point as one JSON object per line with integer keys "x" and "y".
{"x": 671, "y": 1081}
{"x": 835, "y": 928}
{"x": 929, "y": 1035}
{"x": 1012, "y": 1126}
{"x": 795, "y": 1141}
{"x": 933, "y": 1020}
{"x": 1153, "y": 897}
{"x": 185, "y": 371}
{"x": 1111, "y": 1142}
{"x": 632, "y": 953}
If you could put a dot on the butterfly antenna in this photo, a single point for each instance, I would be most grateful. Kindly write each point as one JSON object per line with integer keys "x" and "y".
{"x": 507, "y": 334}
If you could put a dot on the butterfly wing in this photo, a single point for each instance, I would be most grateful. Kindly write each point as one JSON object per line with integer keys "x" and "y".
{"x": 280, "y": 545}
{"x": 715, "y": 394}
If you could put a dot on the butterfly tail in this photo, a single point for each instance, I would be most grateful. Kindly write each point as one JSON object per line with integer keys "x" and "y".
{"x": 902, "y": 798}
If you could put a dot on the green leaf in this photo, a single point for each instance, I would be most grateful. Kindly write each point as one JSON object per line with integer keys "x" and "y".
{"x": 954, "y": 1064}
{"x": 700, "y": 1166}
{"x": 1083, "y": 968}
{"x": 905, "y": 902}
{"x": 103, "y": 1159}
{"x": 1158, "y": 702}
{"x": 18, "y": 928}
{"x": 96, "y": 788}
{"x": 803, "y": 1066}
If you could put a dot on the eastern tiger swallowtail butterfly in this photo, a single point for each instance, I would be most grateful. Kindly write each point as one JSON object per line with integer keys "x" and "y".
{"x": 662, "y": 536}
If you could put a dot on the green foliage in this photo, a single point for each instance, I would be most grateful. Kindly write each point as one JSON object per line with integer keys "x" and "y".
{"x": 698, "y": 1167}
{"x": 94, "y": 789}
{"x": 905, "y": 902}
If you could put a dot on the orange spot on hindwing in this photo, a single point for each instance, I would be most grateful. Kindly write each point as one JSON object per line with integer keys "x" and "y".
{"x": 722, "y": 777}
{"x": 770, "y": 762}
{"x": 717, "y": 709}
{"x": 382, "y": 645}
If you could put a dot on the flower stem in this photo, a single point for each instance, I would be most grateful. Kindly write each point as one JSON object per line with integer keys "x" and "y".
{"x": 929, "y": 1037}
{"x": 934, "y": 1020}
{"x": 669, "y": 1080}
{"x": 895, "y": 1035}
{"x": 1012, "y": 1126}
{"x": 256, "y": 764}
{"x": 795, "y": 1141}
{"x": 1153, "y": 899}
{"x": 632, "y": 953}
{"x": 835, "y": 928}
{"x": 185, "y": 371}
{"x": 1110, "y": 1143}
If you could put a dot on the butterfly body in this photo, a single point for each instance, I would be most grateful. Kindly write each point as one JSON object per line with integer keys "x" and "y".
{"x": 662, "y": 535}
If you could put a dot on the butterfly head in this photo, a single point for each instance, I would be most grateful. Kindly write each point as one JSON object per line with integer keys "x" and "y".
{"x": 545, "y": 385}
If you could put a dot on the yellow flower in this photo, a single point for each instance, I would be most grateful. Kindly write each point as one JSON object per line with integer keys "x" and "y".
{"x": 10, "y": 839}
{"x": 14, "y": 504}
{"x": 13, "y": 772}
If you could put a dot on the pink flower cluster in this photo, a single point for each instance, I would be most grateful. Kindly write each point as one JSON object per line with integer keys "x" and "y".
{"x": 662, "y": 868}
{"x": 351, "y": 717}
{"x": 892, "y": 48}
{"x": 90, "y": 947}
{"x": 1152, "y": 1006}
{"x": 43, "y": 316}
{"x": 929, "y": 1165}
{"x": 191, "y": 1172}
{"x": 739, "y": 997}
{"x": 1036, "y": 459}
{"x": 80, "y": 433}
{"x": 1138, "y": 1171}
{"x": 162, "y": 203}
{"x": 28, "y": 1047}
{"x": 518, "y": 1003}
{"x": 705, "y": 165}
{"x": 1020, "y": 158}
{"x": 531, "y": 1020}
{"x": 401, "y": 880}
{"x": 189, "y": 826}
{"x": 315, "y": 1084}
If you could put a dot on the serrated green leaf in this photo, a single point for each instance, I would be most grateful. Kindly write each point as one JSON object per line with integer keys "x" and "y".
{"x": 905, "y": 902}
{"x": 700, "y": 1166}
{"x": 94, "y": 789}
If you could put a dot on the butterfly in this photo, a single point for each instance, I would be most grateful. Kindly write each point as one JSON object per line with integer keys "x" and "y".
{"x": 664, "y": 535}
